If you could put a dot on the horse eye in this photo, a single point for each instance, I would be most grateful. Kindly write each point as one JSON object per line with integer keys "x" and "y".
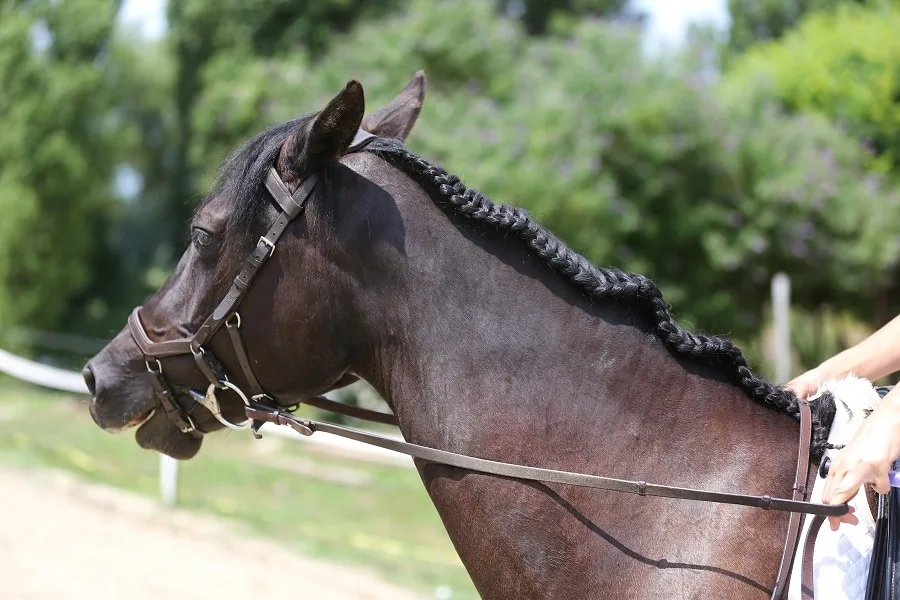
{"x": 202, "y": 238}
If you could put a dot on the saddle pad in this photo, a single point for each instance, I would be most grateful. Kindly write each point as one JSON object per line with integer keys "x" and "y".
{"x": 841, "y": 558}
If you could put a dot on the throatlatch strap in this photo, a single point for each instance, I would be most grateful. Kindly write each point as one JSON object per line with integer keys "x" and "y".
{"x": 291, "y": 204}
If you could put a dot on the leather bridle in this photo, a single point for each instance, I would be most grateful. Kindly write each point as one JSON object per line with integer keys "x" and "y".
{"x": 226, "y": 313}
{"x": 261, "y": 407}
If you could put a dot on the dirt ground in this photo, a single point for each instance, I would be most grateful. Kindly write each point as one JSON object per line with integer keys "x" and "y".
{"x": 63, "y": 539}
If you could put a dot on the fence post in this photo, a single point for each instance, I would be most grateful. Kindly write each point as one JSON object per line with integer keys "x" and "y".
{"x": 781, "y": 307}
{"x": 168, "y": 479}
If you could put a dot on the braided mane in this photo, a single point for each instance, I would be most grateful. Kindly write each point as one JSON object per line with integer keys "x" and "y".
{"x": 638, "y": 291}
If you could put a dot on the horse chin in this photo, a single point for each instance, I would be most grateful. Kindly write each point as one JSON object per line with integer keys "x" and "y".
{"x": 160, "y": 434}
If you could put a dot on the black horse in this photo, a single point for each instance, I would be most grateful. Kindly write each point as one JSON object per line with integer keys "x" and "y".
{"x": 487, "y": 336}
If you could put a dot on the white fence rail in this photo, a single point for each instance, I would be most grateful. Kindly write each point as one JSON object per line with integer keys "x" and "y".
{"x": 43, "y": 375}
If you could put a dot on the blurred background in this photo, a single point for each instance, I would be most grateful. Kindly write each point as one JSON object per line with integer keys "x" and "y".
{"x": 708, "y": 144}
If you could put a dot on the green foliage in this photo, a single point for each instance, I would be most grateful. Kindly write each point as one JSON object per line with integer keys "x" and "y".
{"x": 57, "y": 149}
{"x": 841, "y": 64}
{"x": 754, "y": 21}
{"x": 708, "y": 197}
{"x": 638, "y": 164}
{"x": 804, "y": 202}
{"x": 540, "y": 16}
{"x": 839, "y": 67}
{"x": 824, "y": 332}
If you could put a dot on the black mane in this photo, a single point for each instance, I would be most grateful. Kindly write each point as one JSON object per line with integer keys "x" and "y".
{"x": 241, "y": 180}
{"x": 636, "y": 291}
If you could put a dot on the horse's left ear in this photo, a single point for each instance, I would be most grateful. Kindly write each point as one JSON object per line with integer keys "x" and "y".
{"x": 329, "y": 136}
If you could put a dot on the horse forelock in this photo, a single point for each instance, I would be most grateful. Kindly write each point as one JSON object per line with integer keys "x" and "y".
{"x": 239, "y": 185}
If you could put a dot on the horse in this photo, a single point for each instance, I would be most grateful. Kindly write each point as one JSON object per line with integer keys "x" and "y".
{"x": 486, "y": 336}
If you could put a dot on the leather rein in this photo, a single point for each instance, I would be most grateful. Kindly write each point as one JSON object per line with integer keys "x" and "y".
{"x": 261, "y": 407}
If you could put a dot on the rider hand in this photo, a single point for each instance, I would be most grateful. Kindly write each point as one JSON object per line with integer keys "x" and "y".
{"x": 806, "y": 384}
{"x": 866, "y": 459}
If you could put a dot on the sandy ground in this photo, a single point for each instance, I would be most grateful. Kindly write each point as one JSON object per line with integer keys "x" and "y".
{"x": 62, "y": 539}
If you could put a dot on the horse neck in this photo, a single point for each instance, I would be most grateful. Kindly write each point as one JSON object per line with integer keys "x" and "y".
{"x": 471, "y": 332}
{"x": 480, "y": 349}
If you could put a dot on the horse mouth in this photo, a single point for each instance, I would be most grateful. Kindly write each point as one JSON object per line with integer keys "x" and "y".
{"x": 135, "y": 422}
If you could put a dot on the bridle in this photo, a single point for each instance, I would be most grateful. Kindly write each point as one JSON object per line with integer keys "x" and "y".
{"x": 261, "y": 407}
{"x": 226, "y": 313}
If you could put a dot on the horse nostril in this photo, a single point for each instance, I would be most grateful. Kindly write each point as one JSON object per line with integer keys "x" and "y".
{"x": 89, "y": 380}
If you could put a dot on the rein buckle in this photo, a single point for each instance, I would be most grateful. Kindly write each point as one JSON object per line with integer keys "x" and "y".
{"x": 259, "y": 414}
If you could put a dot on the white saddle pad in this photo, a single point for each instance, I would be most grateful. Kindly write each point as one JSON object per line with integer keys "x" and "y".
{"x": 841, "y": 559}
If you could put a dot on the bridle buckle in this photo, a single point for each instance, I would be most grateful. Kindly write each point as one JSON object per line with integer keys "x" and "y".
{"x": 264, "y": 240}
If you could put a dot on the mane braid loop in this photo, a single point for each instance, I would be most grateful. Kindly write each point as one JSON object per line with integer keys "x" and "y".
{"x": 605, "y": 284}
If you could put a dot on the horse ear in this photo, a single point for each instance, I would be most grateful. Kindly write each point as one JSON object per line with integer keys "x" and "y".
{"x": 329, "y": 136}
{"x": 397, "y": 118}
{"x": 335, "y": 127}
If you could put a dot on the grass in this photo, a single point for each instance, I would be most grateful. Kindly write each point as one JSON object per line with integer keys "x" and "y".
{"x": 375, "y": 517}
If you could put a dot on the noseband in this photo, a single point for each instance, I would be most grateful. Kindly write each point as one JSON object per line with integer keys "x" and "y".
{"x": 226, "y": 313}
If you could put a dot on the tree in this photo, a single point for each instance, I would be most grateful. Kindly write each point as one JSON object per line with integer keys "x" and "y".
{"x": 754, "y": 21}
{"x": 151, "y": 120}
{"x": 640, "y": 164}
{"x": 539, "y": 16}
{"x": 841, "y": 66}
{"x": 57, "y": 153}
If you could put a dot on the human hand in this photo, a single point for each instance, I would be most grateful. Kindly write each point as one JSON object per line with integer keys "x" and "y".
{"x": 866, "y": 459}
{"x": 807, "y": 384}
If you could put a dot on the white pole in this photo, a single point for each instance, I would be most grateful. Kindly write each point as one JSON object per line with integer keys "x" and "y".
{"x": 168, "y": 479}
{"x": 781, "y": 306}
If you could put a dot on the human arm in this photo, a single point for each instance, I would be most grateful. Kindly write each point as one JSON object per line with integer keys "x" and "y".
{"x": 876, "y": 444}
{"x": 873, "y": 358}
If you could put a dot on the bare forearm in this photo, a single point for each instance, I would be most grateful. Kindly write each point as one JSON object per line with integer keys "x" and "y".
{"x": 875, "y": 357}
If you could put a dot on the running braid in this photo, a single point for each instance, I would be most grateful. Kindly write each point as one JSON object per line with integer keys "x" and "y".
{"x": 604, "y": 284}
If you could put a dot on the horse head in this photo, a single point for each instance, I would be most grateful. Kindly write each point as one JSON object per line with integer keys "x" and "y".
{"x": 217, "y": 331}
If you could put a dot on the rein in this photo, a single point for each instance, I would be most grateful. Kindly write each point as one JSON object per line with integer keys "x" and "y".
{"x": 261, "y": 407}
{"x": 307, "y": 427}
{"x": 797, "y": 506}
